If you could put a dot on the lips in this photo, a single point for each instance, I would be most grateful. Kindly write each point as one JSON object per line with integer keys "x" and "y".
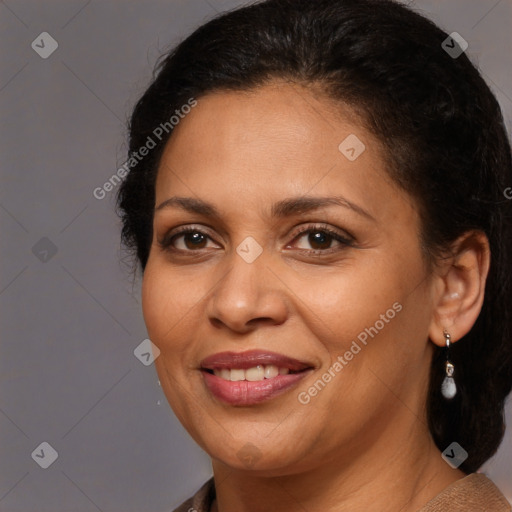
{"x": 250, "y": 359}
{"x": 247, "y": 378}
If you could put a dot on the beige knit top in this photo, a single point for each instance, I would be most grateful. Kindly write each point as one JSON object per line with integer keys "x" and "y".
{"x": 473, "y": 493}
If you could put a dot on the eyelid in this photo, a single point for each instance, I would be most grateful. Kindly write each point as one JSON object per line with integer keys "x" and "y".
{"x": 337, "y": 233}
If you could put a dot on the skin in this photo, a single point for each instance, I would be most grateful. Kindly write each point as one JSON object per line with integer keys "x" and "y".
{"x": 362, "y": 443}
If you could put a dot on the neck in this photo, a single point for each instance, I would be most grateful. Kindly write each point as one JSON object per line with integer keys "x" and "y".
{"x": 399, "y": 474}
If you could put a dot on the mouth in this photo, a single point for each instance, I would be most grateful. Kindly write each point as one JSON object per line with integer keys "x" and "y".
{"x": 251, "y": 377}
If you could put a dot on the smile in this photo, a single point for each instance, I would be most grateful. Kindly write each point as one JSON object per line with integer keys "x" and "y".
{"x": 251, "y": 377}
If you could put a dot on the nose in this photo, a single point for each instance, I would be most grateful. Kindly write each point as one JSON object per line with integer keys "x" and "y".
{"x": 247, "y": 296}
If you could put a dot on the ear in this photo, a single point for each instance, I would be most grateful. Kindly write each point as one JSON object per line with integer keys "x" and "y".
{"x": 459, "y": 287}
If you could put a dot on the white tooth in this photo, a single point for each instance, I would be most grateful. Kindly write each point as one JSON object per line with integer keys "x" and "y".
{"x": 237, "y": 375}
{"x": 271, "y": 371}
{"x": 254, "y": 374}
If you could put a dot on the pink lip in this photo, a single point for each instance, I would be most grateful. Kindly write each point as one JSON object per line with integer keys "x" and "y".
{"x": 250, "y": 358}
{"x": 249, "y": 393}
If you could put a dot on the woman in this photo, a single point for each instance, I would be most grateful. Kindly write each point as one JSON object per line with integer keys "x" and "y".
{"x": 319, "y": 215}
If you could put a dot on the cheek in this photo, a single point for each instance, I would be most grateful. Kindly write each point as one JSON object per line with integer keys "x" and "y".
{"x": 164, "y": 303}
{"x": 153, "y": 300}
{"x": 342, "y": 304}
{"x": 165, "y": 309}
{"x": 365, "y": 315}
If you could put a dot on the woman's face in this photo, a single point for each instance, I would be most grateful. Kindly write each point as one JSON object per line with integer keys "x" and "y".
{"x": 297, "y": 248}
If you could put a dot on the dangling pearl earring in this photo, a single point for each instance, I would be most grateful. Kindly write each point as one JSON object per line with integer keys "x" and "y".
{"x": 448, "y": 387}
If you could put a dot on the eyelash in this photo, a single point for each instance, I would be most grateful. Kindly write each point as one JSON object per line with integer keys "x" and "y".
{"x": 166, "y": 242}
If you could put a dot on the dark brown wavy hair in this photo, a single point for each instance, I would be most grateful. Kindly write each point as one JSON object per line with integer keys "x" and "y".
{"x": 446, "y": 146}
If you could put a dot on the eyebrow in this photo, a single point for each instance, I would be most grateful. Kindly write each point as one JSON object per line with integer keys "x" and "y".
{"x": 284, "y": 208}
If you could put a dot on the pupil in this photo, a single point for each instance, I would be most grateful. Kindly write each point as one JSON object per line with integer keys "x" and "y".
{"x": 195, "y": 238}
{"x": 319, "y": 238}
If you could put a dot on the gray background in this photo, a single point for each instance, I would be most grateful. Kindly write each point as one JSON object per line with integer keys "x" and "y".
{"x": 71, "y": 320}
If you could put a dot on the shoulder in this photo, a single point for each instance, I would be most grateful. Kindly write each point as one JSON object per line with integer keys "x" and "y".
{"x": 472, "y": 493}
{"x": 201, "y": 501}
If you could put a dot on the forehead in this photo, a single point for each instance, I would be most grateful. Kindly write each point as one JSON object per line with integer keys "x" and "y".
{"x": 278, "y": 140}
{"x": 277, "y": 120}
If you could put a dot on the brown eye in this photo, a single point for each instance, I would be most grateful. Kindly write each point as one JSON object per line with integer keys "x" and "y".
{"x": 320, "y": 240}
{"x": 187, "y": 239}
{"x": 194, "y": 240}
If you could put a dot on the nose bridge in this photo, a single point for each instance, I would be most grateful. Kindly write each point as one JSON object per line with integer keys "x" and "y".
{"x": 248, "y": 291}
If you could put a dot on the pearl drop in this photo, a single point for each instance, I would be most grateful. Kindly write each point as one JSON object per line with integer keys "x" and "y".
{"x": 448, "y": 388}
